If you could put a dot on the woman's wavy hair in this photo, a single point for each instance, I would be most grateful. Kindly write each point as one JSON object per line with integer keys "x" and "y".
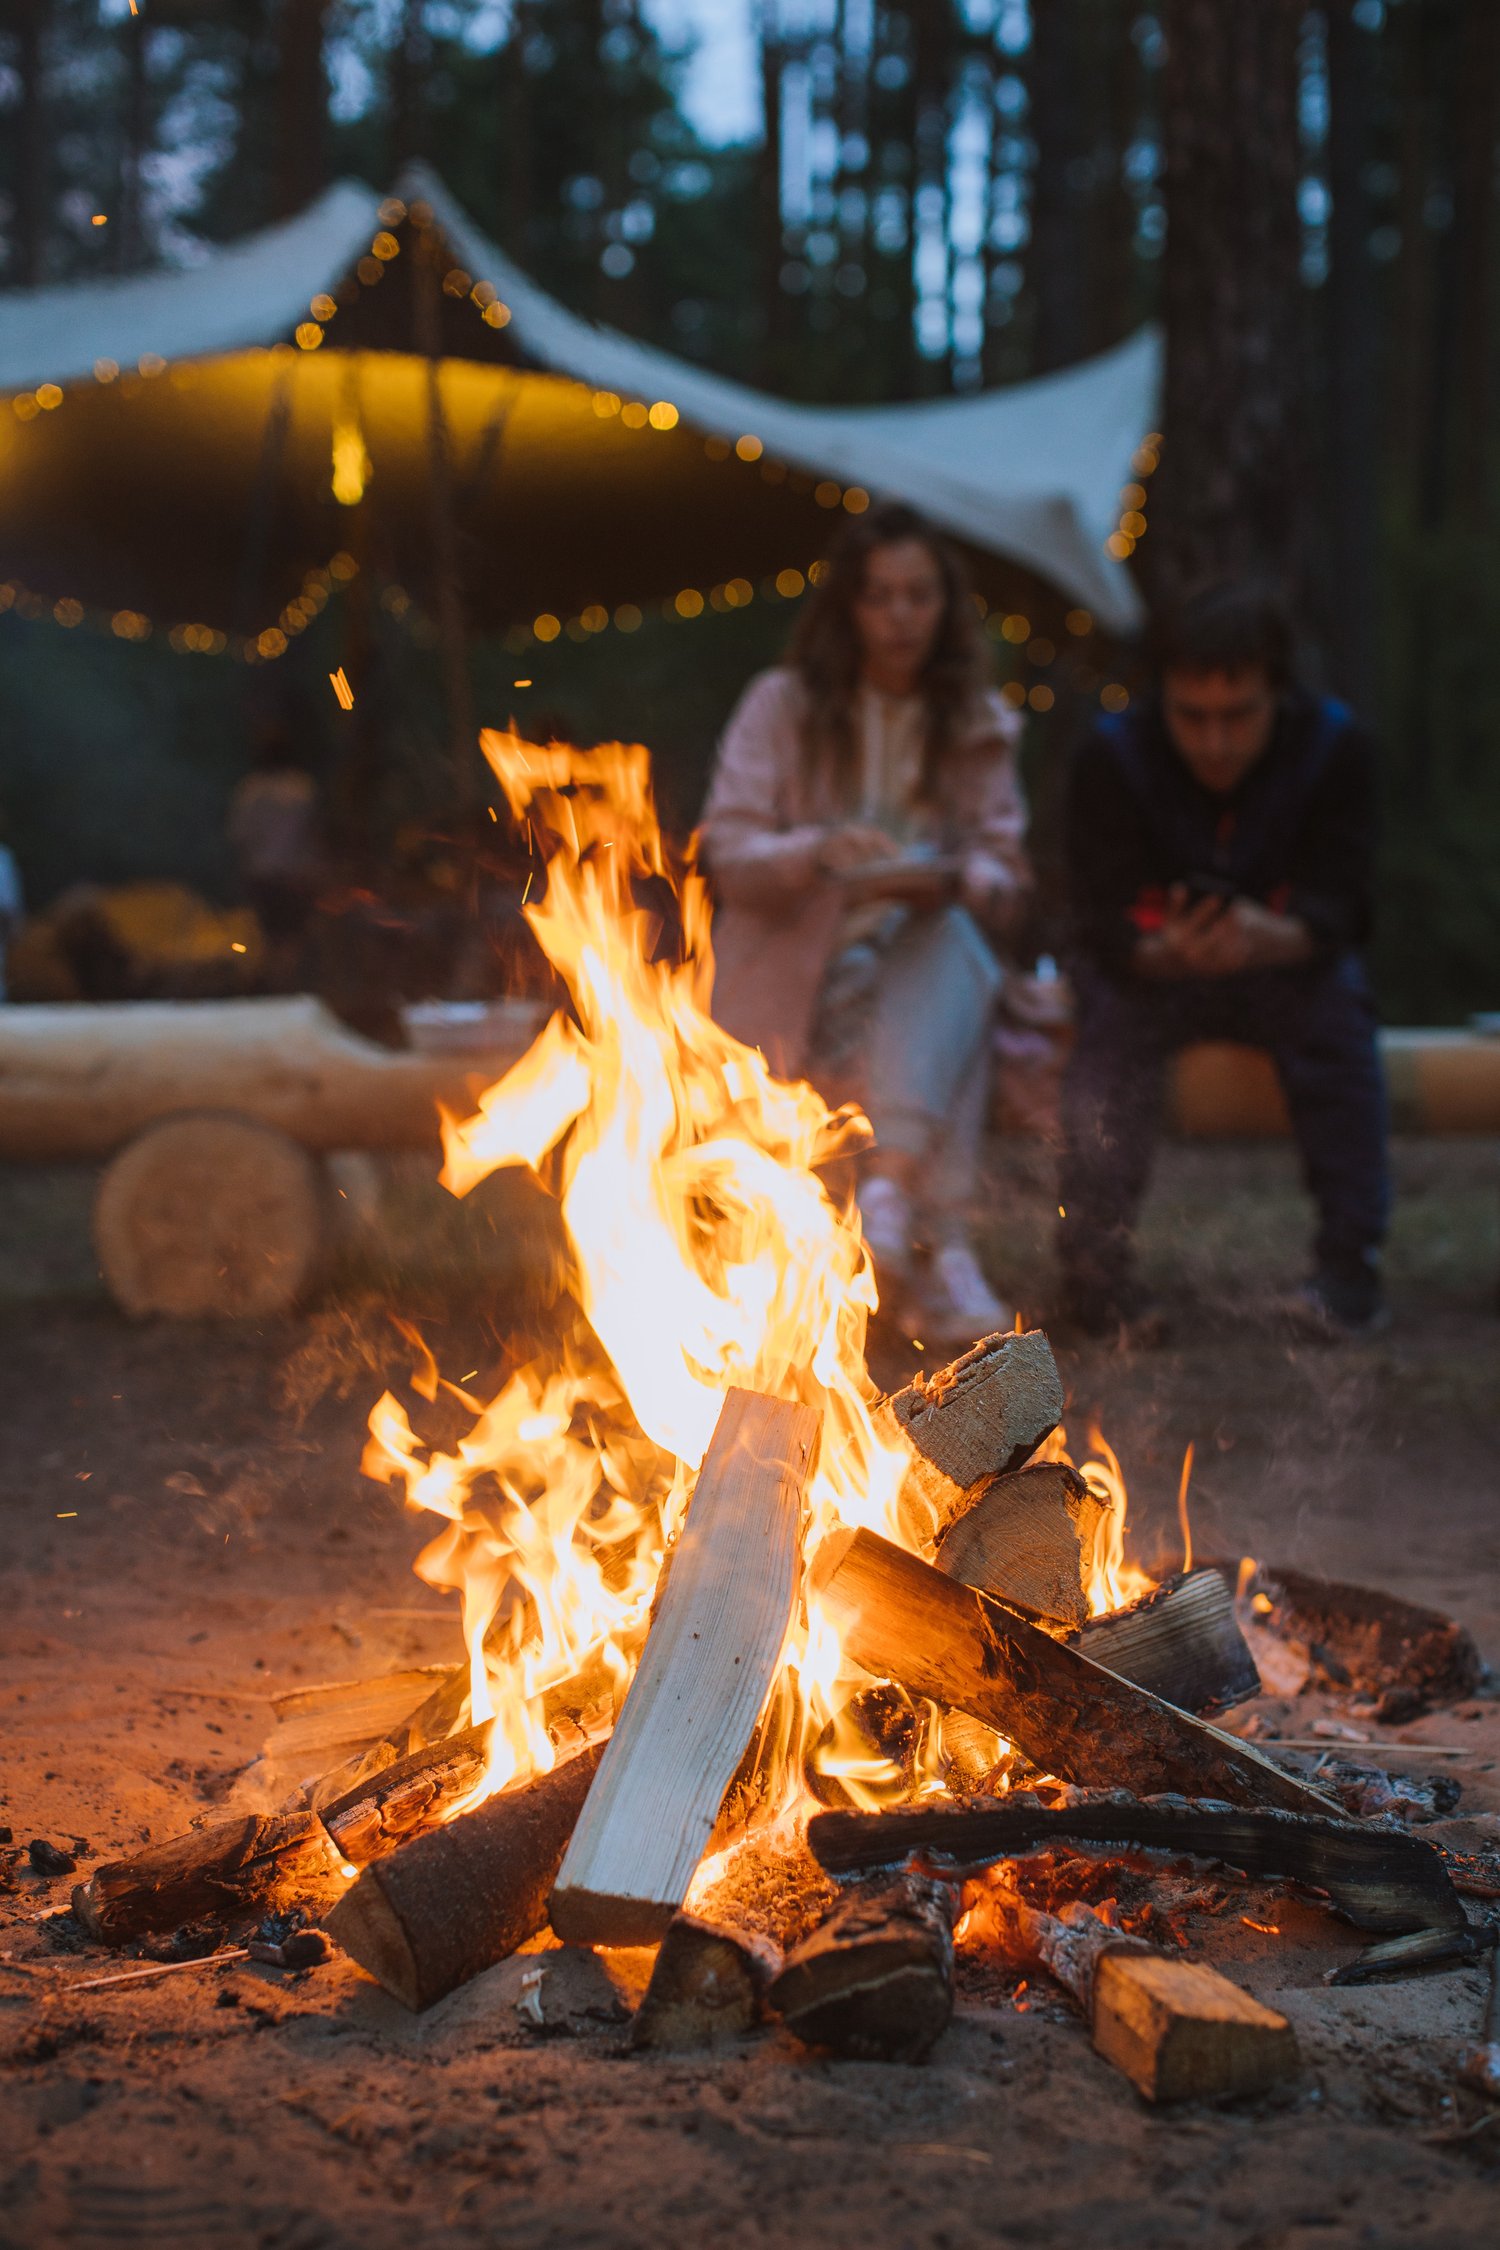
{"x": 826, "y": 654}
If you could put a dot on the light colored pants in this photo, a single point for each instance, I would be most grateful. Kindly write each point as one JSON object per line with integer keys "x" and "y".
{"x": 903, "y": 1027}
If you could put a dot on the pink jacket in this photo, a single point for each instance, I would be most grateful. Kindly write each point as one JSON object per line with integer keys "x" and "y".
{"x": 779, "y": 917}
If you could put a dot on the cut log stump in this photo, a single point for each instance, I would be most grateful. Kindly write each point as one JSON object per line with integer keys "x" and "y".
{"x": 209, "y": 1217}
{"x": 707, "y": 1986}
{"x": 875, "y": 1980}
{"x": 981, "y": 1417}
{"x": 1183, "y": 1642}
{"x": 709, "y": 1662}
{"x": 1181, "y": 2032}
{"x": 257, "y": 1861}
{"x": 1029, "y": 1539}
{"x": 454, "y": 1902}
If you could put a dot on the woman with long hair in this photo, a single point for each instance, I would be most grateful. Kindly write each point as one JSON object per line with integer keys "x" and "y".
{"x": 864, "y": 830}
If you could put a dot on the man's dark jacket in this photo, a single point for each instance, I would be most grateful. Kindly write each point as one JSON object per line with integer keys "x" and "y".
{"x": 1297, "y": 834}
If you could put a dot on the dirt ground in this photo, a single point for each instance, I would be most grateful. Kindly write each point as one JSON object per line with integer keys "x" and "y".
{"x": 184, "y": 1533}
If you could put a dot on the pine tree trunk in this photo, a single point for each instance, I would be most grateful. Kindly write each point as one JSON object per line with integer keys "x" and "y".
{"x": 1056, "y": 260}
{"x": 1230, "y": 497}
{"x": 1477, "y": 125}
{"x": 1353, "y": 362}
{"x": 30, "y": 175}
{"x": 301, "y": 106}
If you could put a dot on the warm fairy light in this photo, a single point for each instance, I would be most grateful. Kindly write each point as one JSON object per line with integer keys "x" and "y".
{"x": 856, "y": 500}
{"x": 689, "y": 603}
{"x": 633, "y": 414}
{"x": 827, "y": 494}
{"x": 351, "y": 463}
{"x": 1114, "y": 695}
{"x": 106, "y": 370}
{"x": 49, "y": 396}
{"x": 323, "y": 307}
{"x": 663, "y": 415}
{"x": 789, "y": 584}
{"x": 385, "y": 247}
{"x": 309, "y": 336}
{"x": 1079, "y": 621}
{"x": 546, "y": 627}
{"x": 749, "y": 448}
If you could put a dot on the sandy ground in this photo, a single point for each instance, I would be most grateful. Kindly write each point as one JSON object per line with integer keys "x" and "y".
{"x": 183, "y": 1532}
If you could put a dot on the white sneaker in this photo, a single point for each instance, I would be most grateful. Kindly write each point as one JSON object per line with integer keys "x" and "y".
{"x": 885, "y": 1222}
{"x": 957, "y": 1304}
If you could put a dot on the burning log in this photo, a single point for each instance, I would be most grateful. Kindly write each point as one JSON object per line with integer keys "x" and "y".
{"x": 406, "y": 1798}
{"x": 708, "y": 1985}
{"x": 1182, "y": 1642}
{"x": 1178, "y": 2031}
{"x": 905, "y": 1621}
{"x": 875, "y": 1980}
{"x": 256, "y": 1861}
{"x": 1029, "y": 1539}
{"x": 454, "y": 1902}
{"x": 1377, "y": 1878}
{"x": 979, "y": 1418}
{"x": 707, "y": 1668}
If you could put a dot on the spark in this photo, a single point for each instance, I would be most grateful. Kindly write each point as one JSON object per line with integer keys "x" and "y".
{"x": 341, "y": 688}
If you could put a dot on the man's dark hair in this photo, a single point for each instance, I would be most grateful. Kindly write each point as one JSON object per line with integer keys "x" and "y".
{"x": 1227, "y": 627}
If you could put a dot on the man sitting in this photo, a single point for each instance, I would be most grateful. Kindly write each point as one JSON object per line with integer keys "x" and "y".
{"x": 1219, "y": 847}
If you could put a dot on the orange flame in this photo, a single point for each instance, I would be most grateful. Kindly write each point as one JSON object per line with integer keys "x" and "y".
{"x": 704, "y": 1250}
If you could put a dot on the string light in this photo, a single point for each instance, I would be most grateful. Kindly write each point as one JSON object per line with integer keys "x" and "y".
{"x": 190, "y": 639}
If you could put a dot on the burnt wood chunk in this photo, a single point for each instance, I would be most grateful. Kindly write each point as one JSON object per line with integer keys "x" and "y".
{"x": 709, "y": 1664}
{"x": 981, "y": 1417}
{"x": 1181, "y": 2032}
{"x": 1183, "y": 1642}
{"x": 707, "y": 1986}
{"x": 902, "y": 1620}
{"x": 463, "y": 1897}
{"x": 874, "y": 1982}
{"x": 1029, "y": 1539}
{"x": 252, "y": 1862}
{"x": 1359, "y": 1638}
{"x": 1378, "y": 1878}
{"x": 406, "y": 1798}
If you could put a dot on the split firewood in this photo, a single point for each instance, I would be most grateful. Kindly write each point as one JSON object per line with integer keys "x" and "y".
{"x": 328, "y": 1727}
{"x": 708, "y": 1985}
{"x": 981, "y": 1417}
{"x": 1181, "y": 2032}
{"x": 1378, "y": 1878}
{"x": 255, "y": 1861}
{"x": 433, "y": 1719}
{"x": 465, "y": 1896}
{"x": 903, "y": 1620}
{"x": 1178, "y": 2031}
{"x": 875, "y": 1980}
{"x": 410, "y": 1796}
{"x": 1029, "y": 1539}
{"x": 707, "y": 1668}
{"x": 1182, "y": 1641}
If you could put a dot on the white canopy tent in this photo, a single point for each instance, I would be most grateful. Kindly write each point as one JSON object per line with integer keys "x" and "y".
{"x": 1031, "y": 473}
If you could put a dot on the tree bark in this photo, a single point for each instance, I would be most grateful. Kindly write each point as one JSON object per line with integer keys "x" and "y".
{"x": 1230, "y": 497}
{"x": 301, "y": 106}
{"x": 1353, "y": 401}
{"x": 32, "y": 190}
{"x": 258, "y": 1861}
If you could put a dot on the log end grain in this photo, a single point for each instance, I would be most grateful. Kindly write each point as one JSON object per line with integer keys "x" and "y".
{"x": 1029, "y": 1538}
{"x": 874, "y": 1982}
{"x": 707, "y": 1986}
{"x": 1181, "y": 2032}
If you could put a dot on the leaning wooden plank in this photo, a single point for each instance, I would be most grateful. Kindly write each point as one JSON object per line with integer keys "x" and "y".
{"x": 465, "y": 1896}
{"x": 874, "y": 1981}
{"x": 255, "y": 1861}
{"x": 1029, "y": 1539}
{"x": 1181, "y": 2032}
{"x": 1378, "y": 1878}
{"x": 903, "y": 1620}
{"x": 980, "y": 1417}
{"x": 709, "y": 1662}
{"x": 1183, "y": 1642}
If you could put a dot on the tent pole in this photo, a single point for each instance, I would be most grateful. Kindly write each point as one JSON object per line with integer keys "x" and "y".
{"x": 452, "y": 633}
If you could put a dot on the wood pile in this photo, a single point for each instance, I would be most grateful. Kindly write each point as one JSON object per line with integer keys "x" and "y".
{"x": 987, "y": 1652}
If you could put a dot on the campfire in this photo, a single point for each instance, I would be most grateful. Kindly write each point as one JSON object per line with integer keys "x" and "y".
{"x": 778, "y": 1678}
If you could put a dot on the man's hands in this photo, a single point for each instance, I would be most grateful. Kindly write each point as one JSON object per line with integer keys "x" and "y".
{"x": 1215, "y": 937}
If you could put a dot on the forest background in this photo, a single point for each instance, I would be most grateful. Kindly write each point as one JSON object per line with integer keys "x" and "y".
{"x": 939, "y": 194}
